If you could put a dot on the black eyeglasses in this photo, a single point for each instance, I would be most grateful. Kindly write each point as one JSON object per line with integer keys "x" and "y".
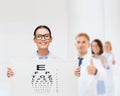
{"x": 40, "y": 36}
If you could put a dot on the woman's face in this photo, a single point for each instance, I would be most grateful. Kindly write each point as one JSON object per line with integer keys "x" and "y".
{"x": 42, "y": 38}
{"x": 107, "y": 47}
{"x": 95, "y": 48}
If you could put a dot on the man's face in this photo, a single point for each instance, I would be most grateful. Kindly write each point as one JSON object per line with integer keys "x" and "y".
{"x": 42, "y": 38}
{"x": 82, "y": 44}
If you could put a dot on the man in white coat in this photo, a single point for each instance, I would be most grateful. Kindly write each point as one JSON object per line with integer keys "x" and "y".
{"x": 86, "y": 71}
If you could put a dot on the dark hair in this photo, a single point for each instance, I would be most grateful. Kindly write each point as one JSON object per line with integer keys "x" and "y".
{"x": 43, "y": 26}
{"x": 99, "y": 44}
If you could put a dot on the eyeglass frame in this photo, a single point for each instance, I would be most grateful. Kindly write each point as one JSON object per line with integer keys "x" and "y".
{"x": 40, "y": 36}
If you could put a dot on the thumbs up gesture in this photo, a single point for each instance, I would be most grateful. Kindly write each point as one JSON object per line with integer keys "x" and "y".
{"x": 10, "y": 72}
{"x": 92, "y": 70}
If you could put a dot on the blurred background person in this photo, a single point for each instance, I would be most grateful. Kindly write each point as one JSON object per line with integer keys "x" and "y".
{"x": 111, "y": 62}
{"x": 87, "y": 72}
{"x": 97, "y": 51}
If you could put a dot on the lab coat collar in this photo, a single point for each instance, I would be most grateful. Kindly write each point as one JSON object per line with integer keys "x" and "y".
{"x": 85, "y": 57}
{"x": 42, "y": 57}
{"x": 48, "y": 56}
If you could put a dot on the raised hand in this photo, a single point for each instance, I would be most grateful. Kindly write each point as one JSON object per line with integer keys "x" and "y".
{"x": 10, "y": 72}
{"x": 77, "y": 72}
{"x": 92, "y": 70}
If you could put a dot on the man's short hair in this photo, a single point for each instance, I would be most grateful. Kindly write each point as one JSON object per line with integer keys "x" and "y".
{"x": 83, "y": 34}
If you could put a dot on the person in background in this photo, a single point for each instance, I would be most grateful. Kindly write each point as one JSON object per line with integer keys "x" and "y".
{"x": 86, "y": 70}
{"x": 111, "y": 62}
{"x": 108, "y": 53}
{"x": 97, "y": 51}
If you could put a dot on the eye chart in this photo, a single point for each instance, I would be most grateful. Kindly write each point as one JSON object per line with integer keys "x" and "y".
{"x": 36, "y": 78}
{"x": 45, "y": 78}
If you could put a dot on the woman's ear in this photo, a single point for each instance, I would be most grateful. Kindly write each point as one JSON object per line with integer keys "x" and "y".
{"x": 34, "y": 39}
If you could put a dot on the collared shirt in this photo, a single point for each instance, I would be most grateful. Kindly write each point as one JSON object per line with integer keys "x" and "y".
{"x": 42, "y": 57}
{"x": 49, "y": 56}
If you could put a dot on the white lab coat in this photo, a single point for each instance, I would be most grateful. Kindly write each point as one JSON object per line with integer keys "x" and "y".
{"x": 87, "y": 83}
{"x": 101, "y": 76}
{"x": 27, "y": 81}
{"x": 109, "y": 74}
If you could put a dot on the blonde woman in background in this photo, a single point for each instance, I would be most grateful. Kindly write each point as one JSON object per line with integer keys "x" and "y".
{"x": 111, "y": 61}
{"x": 108, "y": 53}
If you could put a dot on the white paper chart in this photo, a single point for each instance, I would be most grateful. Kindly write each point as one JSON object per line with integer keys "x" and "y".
{"x": 4, "y": 81}
{"x": 36, "y": 78}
